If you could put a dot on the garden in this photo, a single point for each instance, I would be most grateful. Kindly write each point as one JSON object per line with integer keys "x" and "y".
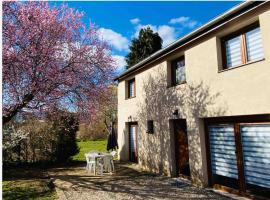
{"x": 33, "y": 182}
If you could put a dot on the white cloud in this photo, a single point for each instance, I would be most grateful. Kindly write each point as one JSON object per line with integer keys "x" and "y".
{"x": 115, "y": 39}
{"x": 184, "y": 21}
{"x": 167, "y": 33}
{"x": 119, "y": 62}
{"x": 135, "y": 21}
{"x": 179, "y": 20}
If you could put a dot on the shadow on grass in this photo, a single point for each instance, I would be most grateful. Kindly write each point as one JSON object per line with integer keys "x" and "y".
{"x": 22, "y": 190}
{"x": 21, "y": 183}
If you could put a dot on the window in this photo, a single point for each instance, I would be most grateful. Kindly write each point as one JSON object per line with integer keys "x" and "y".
{"x": 131, "y": 88}
{"x": 178, "y": 71}
{"x": 150, "y": 127}
{"x": 243, "y": 47}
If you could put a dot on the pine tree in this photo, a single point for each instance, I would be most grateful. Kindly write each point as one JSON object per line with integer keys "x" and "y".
{"x": 146, "y": 44}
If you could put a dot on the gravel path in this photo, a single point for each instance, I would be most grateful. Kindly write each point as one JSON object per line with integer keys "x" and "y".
{"x": 127, "y": 183}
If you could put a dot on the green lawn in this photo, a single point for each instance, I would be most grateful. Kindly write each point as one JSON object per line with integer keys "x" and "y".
{"x": 90, "y": 145}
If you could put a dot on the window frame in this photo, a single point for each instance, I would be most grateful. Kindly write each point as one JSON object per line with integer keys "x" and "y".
{"x": 244, "y": 57}
{"x": 128, "y": 88}
{"x": 173, "y": 70}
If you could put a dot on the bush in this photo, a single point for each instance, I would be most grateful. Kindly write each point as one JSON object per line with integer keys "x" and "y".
{"x": 33, "y": 141}
{"x": 64, "y": 126}
{"x": 12, "y": 141}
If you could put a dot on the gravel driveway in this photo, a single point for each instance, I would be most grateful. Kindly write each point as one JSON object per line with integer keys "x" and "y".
{"x": 127, "y": 183}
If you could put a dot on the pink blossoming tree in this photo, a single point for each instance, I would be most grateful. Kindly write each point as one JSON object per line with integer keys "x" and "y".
{"x": 50, "y": 57}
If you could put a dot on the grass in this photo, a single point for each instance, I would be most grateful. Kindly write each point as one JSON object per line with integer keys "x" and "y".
{"x": 33, "y": 183}
{"x": 22, "y": 184}
{"x": 90, "y": 145}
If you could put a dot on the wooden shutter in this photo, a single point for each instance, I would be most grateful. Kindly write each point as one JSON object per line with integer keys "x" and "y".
{"x": 222, "y": 148}
{"x": 254, "y": 44}
{"x": 256, "y": 154}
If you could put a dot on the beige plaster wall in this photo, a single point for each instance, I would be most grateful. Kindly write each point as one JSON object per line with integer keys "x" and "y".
{"x": 207, "y": 93}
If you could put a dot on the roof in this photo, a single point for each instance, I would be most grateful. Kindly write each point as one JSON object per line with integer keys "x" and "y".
{"x": 213, "y": 24}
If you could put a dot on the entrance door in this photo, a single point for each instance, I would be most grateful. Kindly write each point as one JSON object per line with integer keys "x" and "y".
{"x": 133, "y": 154}
{"x": 181, "y": 148}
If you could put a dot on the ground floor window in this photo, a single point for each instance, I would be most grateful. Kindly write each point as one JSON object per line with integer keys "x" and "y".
{"x": 133, "y": 144}
{"x": 239, "y": 154}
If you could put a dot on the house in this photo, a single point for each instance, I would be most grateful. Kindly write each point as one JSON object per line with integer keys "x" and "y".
{"x": 200, "y": 107}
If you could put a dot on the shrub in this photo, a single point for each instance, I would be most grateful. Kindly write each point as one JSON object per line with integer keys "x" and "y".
{"x": 64, "y": 126}
{"x": 31, "y": 140}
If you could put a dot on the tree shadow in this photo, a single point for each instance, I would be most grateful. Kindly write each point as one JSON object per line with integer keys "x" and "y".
{"x": 194, "y": 101}
{"x": 127, "y": 183}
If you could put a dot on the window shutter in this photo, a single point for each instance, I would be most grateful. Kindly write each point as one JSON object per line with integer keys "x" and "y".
{"x": 254, "y": 44}
{"x": 233, "y": 52}
{"x": 222, "y": 146}
{"x": 256, "y": 152}
{"x": 131, "y": 88}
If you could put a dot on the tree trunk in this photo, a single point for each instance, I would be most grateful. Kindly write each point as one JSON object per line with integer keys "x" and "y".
{"x": 18, "y": 107}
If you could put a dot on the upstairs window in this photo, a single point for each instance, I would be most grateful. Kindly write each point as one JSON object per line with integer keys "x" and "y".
{"x": 178, "y": 71}
{"x": 131, "y": 88}
{"x": 243, "y": 47}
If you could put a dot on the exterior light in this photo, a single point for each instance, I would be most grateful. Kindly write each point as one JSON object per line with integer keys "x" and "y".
{"x": 175, "y": 114}
{"x": 130, "y": 119}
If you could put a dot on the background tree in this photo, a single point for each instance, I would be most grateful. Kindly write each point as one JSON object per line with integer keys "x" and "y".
{"x": 64, "y": 127}
{"x": 106, "y": 114}
{"x": 51, "y": 58}
{"x": 146, "y": 44}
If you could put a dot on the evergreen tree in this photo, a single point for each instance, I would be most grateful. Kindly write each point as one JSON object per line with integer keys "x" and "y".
{"x": 146, "y": 44}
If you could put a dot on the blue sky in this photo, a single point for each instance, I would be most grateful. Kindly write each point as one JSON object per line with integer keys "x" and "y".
{"x": 119, "y": 22}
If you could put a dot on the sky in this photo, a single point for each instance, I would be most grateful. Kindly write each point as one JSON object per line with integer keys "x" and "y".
{"x": 120, "y": 22}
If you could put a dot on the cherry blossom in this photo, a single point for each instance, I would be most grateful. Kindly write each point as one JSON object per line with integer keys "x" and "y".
{"x": 50, "y": 57}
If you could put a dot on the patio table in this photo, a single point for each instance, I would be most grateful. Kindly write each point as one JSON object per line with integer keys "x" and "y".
{"x": 99, "y": 155}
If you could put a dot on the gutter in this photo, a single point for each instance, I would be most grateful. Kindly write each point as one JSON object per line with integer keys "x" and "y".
{"x": 188, "y": 38}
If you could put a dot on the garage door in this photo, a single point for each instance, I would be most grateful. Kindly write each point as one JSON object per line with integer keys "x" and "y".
{"x": 240, "y": 156}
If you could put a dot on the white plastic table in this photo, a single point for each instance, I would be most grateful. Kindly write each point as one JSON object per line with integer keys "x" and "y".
{"x": 96, "y": 156}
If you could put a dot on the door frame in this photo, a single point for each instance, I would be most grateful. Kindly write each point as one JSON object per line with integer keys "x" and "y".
{"x": 174, "y": 121}
{"x": 136, "y": 141}
{"x": 236, "y": 121}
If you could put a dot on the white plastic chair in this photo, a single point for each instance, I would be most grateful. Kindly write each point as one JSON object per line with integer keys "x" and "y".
{"x": 113, "y": 153}
{"x": 101, "y": 166}
{"x": 92, "y": 163}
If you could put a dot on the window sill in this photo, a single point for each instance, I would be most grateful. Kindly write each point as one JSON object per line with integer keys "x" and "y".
{"x": 175, "y": 85}
{"x": 248, "y": 63}
{"x": 130, "y": 98}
